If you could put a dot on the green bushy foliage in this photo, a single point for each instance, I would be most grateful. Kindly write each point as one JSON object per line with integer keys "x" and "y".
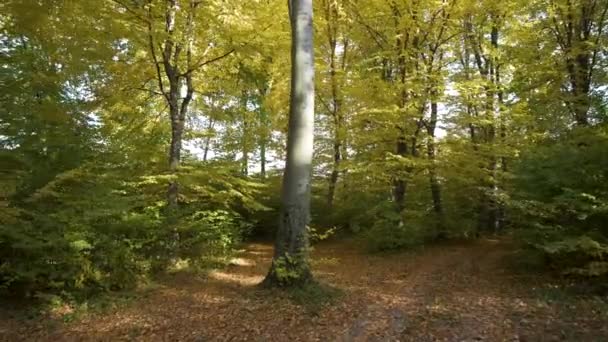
{"x": 89, "y": 230}
{"x": 394, "y": 231}
{"x": 562, "y": 201}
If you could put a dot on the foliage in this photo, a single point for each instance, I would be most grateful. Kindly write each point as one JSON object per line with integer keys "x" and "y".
{"x": 117, "y": 234}
{"x": 434, "y": 119}
{"x": 563, "y": 200}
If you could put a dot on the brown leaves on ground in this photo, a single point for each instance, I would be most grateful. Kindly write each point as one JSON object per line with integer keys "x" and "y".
{"x": 456, "y": 292}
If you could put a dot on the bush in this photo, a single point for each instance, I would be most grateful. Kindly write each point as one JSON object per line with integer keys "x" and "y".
{"x": 561, "y": 201}
{"x": 392, "y": 231}
{"x": 59, "y": 240}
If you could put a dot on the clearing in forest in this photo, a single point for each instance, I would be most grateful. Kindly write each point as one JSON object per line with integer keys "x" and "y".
{"x": 452, "y": 292}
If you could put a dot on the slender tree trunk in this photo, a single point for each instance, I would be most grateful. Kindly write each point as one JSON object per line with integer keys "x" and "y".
{"x": 170, "y": 53}
{"x": 399, "y": 184}
{"x": 433, "y": 179}
{"x": 264, "y": 134}
{"x": 245, "y": 136}
{"x": 501, "y": 214}
{"x": 263, "y": 158}
{"x": 208, "y": 139}
{"x": 290, "y": 264}
{"x": 332, "y": 20}
{"x": 335, "y": 172}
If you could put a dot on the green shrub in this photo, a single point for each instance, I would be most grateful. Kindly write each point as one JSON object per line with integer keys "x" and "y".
{"x": 88, "y": 231}
{"x": 561, "y": 201}
{"x": 392, "y": 231}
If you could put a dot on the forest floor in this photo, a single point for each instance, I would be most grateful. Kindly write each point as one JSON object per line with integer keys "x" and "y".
{"x": 451, "y": 292}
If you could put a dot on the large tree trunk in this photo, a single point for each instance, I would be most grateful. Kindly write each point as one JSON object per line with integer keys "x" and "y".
{"x": 290, "y": 264}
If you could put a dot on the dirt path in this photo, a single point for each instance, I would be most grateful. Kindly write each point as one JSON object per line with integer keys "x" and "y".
{"x": 458, "y": 292}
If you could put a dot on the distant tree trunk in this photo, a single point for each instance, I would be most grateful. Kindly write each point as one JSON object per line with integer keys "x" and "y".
{"x": 265, "y": 124}
{"x": 263, "y": 158}
{"x": 431, "y": 153}
{"x": 333, "y": 179}
{"x": 290, "y": 264}
{"x": 486, "y": 65}
{"x": 500, "y": 211}
{"x": 245, "y": 137}
{"x": 208, "y": 139}
{"x": 399, "y": 184}
{"x": 332, "y": 20}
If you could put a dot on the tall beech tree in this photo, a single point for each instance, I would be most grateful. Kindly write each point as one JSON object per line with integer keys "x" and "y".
{"x": 290, "y": 264}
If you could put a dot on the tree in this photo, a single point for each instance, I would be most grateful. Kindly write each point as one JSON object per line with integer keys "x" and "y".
{"x": 577, "y": 27}
{"x": 290, "y": 262}
{"x": 337, "y": 49}
{"x": 172, "y": 37}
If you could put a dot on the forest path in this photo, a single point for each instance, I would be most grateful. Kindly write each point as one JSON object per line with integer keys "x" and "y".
{"x": 450, "y": 292}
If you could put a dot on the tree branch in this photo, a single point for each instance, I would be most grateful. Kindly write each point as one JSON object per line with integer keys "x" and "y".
{"x": 209, "y": 61}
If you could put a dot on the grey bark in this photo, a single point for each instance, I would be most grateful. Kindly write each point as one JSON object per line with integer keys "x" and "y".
{"x": 290, "y": 263}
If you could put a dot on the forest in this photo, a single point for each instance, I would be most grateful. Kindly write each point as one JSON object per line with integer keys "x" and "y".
{"x": 299, "y": 170}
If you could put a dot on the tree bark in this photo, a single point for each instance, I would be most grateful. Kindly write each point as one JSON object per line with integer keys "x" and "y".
{"x": 433, "y": 179}
{"x": 245, "y": 137}
{"x": 573, "y": 29}
{"x": 399, "y": 184}
{"x": 210, "y": 125}
{"x": 332, "y": 20}
{"x": 177, "y": 73}
{"x": 263, "y": 158}
{"x": 290, "y": 265}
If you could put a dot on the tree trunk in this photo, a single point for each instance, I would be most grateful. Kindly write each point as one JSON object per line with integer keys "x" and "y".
{"x": 208, "y": 139}
{"x": 399, "y": 184}
{"x": 332, "y": 20}
{"x": 177, "y": 130}
{"x": 290, "y": 266}
{"x": 434, "y": 182}
{"x": 265, "y": 128}
{"x": 177, "y": 111}
{"x": 245, "y": 137}
{"x": 333, "y": 179}
{"x": 263, "y": 141}
{"x": 263, "y": 158}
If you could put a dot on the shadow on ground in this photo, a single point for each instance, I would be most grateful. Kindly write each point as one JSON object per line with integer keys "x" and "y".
{"x": 456, "y": 292}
